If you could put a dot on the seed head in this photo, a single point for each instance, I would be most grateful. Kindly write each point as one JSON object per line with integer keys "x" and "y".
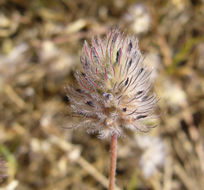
{"x": 114, "y": 89}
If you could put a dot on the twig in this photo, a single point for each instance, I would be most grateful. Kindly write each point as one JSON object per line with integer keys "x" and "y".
{"x": 179, "y": 171}
{"x": 14, "y": 96}
{"x": 68, "y": 147}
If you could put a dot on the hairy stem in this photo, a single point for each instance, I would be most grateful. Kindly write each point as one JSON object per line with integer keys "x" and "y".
{"x": 113, "y": 161}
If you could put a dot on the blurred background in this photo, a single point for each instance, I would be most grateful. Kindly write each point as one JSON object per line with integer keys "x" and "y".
{"x": 40, "y": 47}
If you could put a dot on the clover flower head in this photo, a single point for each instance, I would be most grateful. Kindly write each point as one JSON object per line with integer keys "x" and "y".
{"x": 114, "y": 89}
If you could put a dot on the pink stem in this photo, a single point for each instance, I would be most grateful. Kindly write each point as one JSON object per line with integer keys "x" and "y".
{"x": 113, "y": 161}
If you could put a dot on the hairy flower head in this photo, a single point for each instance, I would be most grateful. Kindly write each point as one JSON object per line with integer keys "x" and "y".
{"x": 114, "y": 89}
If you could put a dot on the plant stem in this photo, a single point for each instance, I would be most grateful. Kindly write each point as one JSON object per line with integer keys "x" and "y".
{"x": 113, "y": 161}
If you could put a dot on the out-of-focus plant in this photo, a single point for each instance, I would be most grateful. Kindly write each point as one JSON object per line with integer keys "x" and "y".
{"x": 154, "y": 154}
{"x": 3, "y": 172}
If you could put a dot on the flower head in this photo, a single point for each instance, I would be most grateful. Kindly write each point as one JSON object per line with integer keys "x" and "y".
{"x": 114, "y": 89}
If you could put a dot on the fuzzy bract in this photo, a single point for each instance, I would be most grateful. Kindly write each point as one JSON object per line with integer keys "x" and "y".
{"x": 114, "y": 88}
